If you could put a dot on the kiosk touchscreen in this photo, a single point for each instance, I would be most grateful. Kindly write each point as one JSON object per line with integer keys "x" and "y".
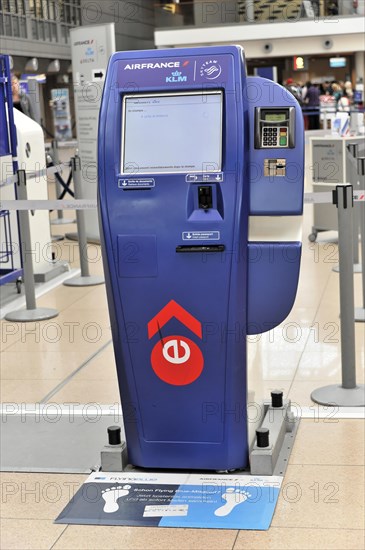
{"x": 147, "y": 116}
{"x": 200, "y": 202}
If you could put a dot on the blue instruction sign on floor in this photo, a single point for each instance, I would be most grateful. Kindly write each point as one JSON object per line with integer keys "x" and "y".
{"x": 201, "y": 235}
{"x": 174, "y": 500}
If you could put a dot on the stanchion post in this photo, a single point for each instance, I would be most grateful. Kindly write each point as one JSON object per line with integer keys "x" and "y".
{"x": 348, "y": 394}
{"x": 345, "y": 208}
{"x": 55, "y": 238}
{"x": 80, "y": 217}
{"x": 85, "y": 279}
{"x": 56, "y": 160}
{"x": 360, "y": 311}
{"x": 350, "y": 160}
{"x": 325, "y": 119}
{"x": 352, "y": 152}
{"x": 31, "y": 313}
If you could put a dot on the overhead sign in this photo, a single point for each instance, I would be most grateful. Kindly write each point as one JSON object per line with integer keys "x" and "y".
{"x": 300, "y": 63}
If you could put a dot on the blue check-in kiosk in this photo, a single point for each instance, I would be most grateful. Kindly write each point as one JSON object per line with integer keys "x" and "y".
{"x": 200, "y": 202}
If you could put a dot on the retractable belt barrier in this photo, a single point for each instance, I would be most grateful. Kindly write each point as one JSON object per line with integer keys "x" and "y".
{"x": 23, "y": 205}
{"x": 91, "y": 204}
{"x": 349, "y": 393}
{"x": 38, "y": 174}
{"x": 62, "y": 187}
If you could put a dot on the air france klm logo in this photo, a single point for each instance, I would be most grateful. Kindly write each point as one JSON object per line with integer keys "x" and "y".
{"x": 159, "y": 65}
{"x": 176, "y": 76}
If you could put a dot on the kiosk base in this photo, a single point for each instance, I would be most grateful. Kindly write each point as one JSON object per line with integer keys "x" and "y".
{"x": 114, "y": 458}
{"x": 282, "y": 425}
{"x": 270, "y": 460}
{"x": 43, "y": 442}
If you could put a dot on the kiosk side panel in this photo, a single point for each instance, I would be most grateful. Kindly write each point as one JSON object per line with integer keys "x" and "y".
{"x": 276, "y": 174}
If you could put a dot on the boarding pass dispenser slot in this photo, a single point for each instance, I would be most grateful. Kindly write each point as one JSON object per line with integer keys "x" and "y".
{"x": 274, "y": 128}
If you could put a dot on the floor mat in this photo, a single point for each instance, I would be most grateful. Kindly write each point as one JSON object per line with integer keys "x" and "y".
{"x": 217, "y": 501}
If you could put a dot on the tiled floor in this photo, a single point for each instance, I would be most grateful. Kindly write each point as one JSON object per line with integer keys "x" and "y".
{"x": 321, "y": 505}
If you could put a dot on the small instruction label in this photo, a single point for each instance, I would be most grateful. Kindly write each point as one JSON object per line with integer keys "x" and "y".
{"x": 201, "y": 235}
{"x": 152, "y": 511}
{"x": 127, "y": 183}
{"x": 214, "y": 177}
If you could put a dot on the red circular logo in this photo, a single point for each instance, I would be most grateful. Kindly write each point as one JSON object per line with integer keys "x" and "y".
{"x": 177, "y": 360}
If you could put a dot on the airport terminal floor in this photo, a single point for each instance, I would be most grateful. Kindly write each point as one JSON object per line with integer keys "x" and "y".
{"x": 321, "y": 504}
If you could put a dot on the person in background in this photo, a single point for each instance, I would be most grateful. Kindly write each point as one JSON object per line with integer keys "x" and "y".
{"x": 313, "y": 103}
{"x": 332, "y": 8}
{"x": 305, "y": 91}
{"x": 20, "y": 99}
{"x": 337, "y": 92}
{"x": 294, "y": 90}
{"x": 343, "y": 104}
{"x": 327, "y": 88}
{"x": 349, "y": 91}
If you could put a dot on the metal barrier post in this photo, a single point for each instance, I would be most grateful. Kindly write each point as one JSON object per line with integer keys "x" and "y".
{"x": 60, "y": 219}
{"x": 85, "y": 279}
{"x": 32, "y": 312}
{"x": 348, "y": 394}
{"x": 325, "y": 124}
{"x": 352, "y": 152}
{"x": 360, "y": 311}
{"x": 351, "y": 156}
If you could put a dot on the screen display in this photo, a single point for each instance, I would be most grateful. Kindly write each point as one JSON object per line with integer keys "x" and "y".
{"x": 275, "y": 117}
{"x": 337, "y": 62}
{"x": 170, "y": 133}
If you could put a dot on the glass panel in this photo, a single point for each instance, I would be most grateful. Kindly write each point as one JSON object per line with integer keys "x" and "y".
{"x": 7, "y": 25}
{"x": 204, "y": 12}
{"x": 34, "y": 29}
{"x": 51, "y": 10}
{"x": 54, "y": 33}
{"x": 31, "y": 7}
{"x": 16, "y": 26}
{"x": 23, "y": 29}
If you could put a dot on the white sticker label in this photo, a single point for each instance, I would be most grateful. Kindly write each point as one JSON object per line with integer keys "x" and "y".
{"x": 136, "y": 183}
{"x": 201, "y": 235}
{"x": 98, "y": 74}
{"x": 204, "y": 177}
{"x": 160, "y": 511}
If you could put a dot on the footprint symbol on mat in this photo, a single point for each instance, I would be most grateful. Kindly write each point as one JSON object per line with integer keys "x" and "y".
{"x": 111, "y": 497}
{"x": 233, "y": 497}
